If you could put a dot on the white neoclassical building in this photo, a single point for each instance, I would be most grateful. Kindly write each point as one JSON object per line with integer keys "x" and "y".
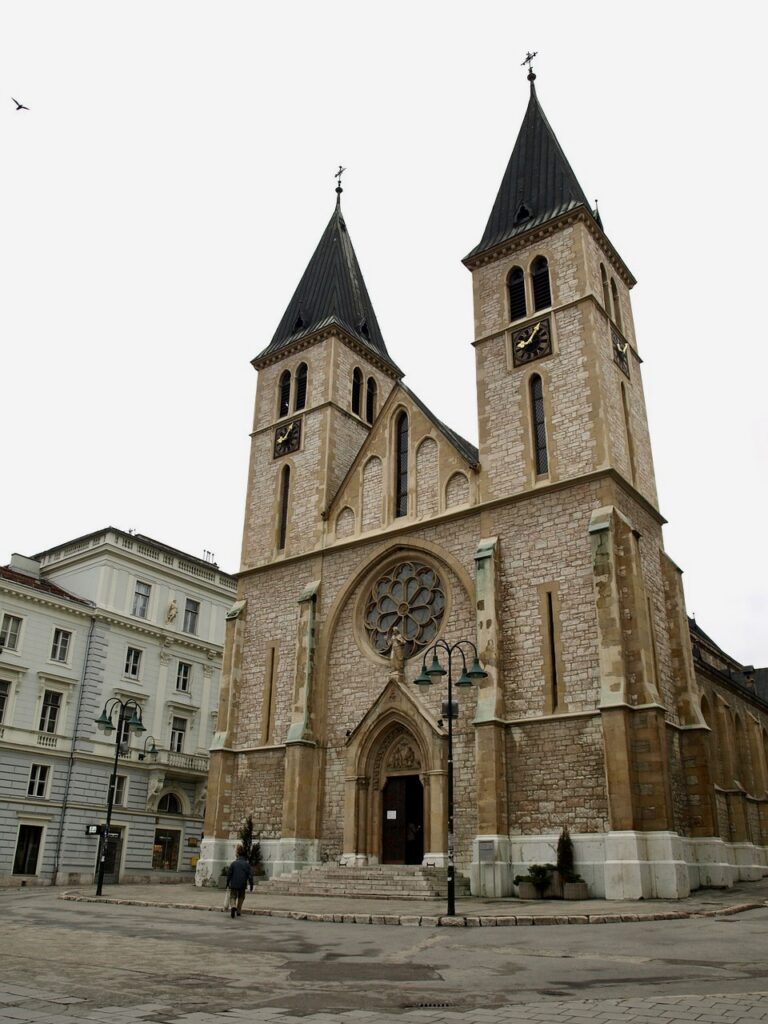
{"x": 108, "y": 615}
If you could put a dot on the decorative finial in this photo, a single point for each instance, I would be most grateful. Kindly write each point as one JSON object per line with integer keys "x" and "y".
{"x": 339, "y": 189}
{"x": 529, "y": 61}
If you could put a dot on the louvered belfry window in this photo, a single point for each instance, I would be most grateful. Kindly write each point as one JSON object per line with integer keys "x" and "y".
{"x": 516, "y": 289}
{"x": 542, "y": 296}
{"x": 357, "y": 388}
{"x": 370, "y": 400}
{"x": 539, "y": 425}
{"x": 285, "y": 483}
{"x": 285, "y": 393}
{"x": 301, "y": 387}
{"x": 401, "y": 465}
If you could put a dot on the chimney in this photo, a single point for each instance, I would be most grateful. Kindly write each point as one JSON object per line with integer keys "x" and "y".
{"x": 27, "y": 566}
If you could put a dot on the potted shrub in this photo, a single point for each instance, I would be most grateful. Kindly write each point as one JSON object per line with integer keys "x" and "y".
{"x": 573, "y": 885}
{"x": 223, "y": 878}
{"x": 533, "y": 885}
{"x": 526, "y": 890}
{"x": 251, "y": 845}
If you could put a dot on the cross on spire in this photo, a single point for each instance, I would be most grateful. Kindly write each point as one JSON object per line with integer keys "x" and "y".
{"x": 338, "y": 175}
{"x": 529, "y": 61}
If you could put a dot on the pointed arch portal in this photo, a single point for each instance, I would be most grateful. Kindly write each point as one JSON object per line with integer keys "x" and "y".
{"x": 396, "y": 796}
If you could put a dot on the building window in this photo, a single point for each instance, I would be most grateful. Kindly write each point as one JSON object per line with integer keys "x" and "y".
{"x": 357, "y": 391}
{"x": 183, "y": 676}
{"x": 282, "y": 530}
{"x": 516, "y": 291}
{"x": 141, "y": 599}
{"x": 9, "y": 634}
{"x": 5, "y": 690}
{"x": 60, "y": 648}
{"x": 370, "y": 400}
{"x": 542, "y": 297}
{"x": 165, "y": 852}
{"x": 410, "y": 597}
{"x": 121, "y": 782}
{"x": 616, "y": 305}
{"x": 191, "y": 615}
{"x": 539, "y": 425}
{"x": 606, "y": 293}
{"x": 301, "y": 387}
{"x": 169, "y": 804}
{"x": 49, "y": 716}
{"x": 124, "y": 738}
{"x": 285, "y": 393}
{"x": 27, "y": 849}
{"x": 628, "y": 432}
{"x": 178, "y": 732}
{"x": 133, "y": 662}
{"x": 38, "y": 780}
{"x": 268, "y": 700}
{"x": 401, "y": 465}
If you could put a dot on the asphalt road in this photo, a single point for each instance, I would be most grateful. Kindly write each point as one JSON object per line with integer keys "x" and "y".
{"x": 63, "y": 961}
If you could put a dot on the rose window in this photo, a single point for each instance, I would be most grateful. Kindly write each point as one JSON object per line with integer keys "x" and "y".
{"x": 409, "y": 598}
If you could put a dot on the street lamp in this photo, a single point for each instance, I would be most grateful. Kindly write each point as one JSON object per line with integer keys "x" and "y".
{"x": 129, "y": 717}
{"x": 152, "y": 753}
{"x": 450, "y": 711}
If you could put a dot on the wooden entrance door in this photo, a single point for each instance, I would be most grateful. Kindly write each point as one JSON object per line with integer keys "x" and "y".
{"x": 402, "y": 840}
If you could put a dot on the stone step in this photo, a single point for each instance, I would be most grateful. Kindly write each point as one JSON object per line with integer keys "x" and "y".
{"x": 387, "y": 881}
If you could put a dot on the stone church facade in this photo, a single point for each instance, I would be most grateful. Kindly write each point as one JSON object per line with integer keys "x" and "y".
{"x": 367, "y": 519}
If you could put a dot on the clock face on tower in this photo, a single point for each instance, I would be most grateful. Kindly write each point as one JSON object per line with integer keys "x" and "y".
{"x": 620, "y": 350}
{"x": 287, "y": 438}
{"x": 531, "y": 342}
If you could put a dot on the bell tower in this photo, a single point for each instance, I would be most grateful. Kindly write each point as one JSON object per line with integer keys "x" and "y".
{"x": 322, "y": 379}
{"x": 558, "y": 370}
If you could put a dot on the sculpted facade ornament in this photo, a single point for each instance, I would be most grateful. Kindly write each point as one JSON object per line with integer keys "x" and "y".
{"x": 403, "y": 757}
{"x": 173, "y": 609}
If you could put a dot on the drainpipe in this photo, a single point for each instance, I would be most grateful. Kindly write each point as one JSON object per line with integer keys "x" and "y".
{"x": 71, "y": 762}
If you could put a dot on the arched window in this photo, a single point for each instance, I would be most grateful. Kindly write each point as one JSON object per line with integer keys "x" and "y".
{"x": 616, "y": 305}
{"x": 285, "y": 393}
{"x": 357, "y": 391}
{"x": 370, "y": 400}
{"x": 606, "y": 293}
{"x": 169, "y": 804}
{"x": 628, "y": 430}
{"x": 301, "y": 387}
{"x": 516, "y": 291}
{"x": 285, "y": 483}
{"x": 542, "y": 297}
{"x": 401, "y": 465}
{"x": 539, "y": 425}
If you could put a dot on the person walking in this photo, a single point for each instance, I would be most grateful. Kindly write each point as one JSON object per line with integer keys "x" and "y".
{"x": 238, "y": 876}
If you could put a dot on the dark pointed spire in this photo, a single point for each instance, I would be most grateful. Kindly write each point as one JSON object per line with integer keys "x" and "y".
{"x": 538, "y": 183}
{"x": 331, "y": 292}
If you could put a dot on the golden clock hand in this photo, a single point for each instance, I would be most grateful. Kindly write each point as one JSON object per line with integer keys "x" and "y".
{"x": 525, "y": 342}
{"x": 282, "y": 438}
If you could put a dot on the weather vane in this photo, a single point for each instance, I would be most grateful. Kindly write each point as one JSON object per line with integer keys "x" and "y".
{"x": 529, "y": 61}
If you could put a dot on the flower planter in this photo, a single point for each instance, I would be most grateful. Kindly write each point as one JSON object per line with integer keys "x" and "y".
{"x": 527, "y": 891}
{"x": 575, "y": 891}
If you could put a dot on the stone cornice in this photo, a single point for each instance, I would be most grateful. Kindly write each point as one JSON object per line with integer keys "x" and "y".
{"x": 335, "y": 331}
{"x": 83, "y": 611}
{"x": 580, "y": 215}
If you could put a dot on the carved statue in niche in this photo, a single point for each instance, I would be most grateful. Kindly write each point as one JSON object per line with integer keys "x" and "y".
{"x": 172, "y": 610}
{"x": 201, "y": 794}
{"x": 403, "y": 757}
{"x": 155, "y": 787}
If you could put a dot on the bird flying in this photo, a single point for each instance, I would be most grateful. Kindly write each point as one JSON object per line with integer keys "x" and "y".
{"x": 19, "y": 106}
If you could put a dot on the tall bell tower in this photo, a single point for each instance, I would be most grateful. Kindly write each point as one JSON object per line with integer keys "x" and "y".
{"x": 322, "y": 379}
{"x": 558, "y": 370}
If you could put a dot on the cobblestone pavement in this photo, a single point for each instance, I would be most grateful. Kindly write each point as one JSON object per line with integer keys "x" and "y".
{"x": 23, "y": 1005}
{"x": 168, "y": 955}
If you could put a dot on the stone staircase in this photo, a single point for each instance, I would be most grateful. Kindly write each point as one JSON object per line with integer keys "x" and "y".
{"x": 384, "y": 881}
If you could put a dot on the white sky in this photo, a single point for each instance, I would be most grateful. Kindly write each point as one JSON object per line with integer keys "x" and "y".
{"x": 162, "y": 196}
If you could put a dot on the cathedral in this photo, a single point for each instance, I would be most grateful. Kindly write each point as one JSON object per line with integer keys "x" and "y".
{"x": 583, "y": 696}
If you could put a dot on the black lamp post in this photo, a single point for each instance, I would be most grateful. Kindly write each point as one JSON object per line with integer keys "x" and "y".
{"x": 467, "y": 677}
{"x": 152, "y": 753}
{"x": 129, "y": 717}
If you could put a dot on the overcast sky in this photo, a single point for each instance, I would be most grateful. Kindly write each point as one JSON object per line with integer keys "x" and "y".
{"x": 165, "y": 190}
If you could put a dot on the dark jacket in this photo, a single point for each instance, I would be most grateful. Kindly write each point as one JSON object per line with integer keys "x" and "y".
{"x": 239, "y": 874}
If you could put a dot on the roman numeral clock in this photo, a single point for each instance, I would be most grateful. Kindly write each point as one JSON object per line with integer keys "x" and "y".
{"x": 287, "y": 438}
{"x": 531, "y": 342}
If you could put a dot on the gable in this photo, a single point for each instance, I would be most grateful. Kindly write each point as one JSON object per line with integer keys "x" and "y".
{"x": 440, "y": 472}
